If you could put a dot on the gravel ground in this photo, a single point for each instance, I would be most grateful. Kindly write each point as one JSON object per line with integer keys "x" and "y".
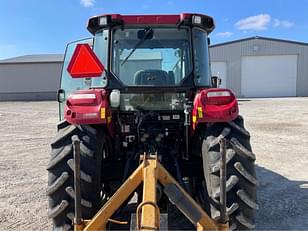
{"x": 279, "y": 130}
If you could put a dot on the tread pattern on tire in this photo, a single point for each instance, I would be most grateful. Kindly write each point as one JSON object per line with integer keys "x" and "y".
{"x": 243, "y": 221}
{"x": 241, "y": 177}
{"x": 57, "y": 184}
{"x": 60, "y": 190}
{"x": 239, "y": 167}
{"x": 229, "y": 155}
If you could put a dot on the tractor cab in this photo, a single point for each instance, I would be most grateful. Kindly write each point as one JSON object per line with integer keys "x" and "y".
{"x": 154, "y": 62}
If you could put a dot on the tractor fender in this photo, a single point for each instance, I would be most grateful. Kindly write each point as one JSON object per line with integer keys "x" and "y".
{"x": 214, "y": 105}
{"x": 89, "y": 107}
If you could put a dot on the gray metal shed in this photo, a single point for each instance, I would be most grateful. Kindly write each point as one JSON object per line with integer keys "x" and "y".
{"x": 30, "y": 77}
{"x": 262, "y": 67}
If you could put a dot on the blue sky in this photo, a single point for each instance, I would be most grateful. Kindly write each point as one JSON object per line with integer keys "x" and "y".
{"x": 41, "y": 26}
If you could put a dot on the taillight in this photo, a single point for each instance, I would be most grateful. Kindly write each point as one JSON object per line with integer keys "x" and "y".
{"x": 82, "y": 98}
{"x": 218, "y": 96}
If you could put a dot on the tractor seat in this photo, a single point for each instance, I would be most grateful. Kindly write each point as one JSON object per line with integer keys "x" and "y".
{"x": 151, "y": 77}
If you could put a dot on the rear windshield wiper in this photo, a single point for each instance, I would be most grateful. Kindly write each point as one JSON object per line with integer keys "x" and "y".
{"x": 148, "y": 33}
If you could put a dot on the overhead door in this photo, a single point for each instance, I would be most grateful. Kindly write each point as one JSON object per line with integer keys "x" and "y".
{"x": 269, "y": 76}
{"x": 220, "y": 69}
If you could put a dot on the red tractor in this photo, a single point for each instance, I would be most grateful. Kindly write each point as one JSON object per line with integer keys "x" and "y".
{"x": 142, "y": 86}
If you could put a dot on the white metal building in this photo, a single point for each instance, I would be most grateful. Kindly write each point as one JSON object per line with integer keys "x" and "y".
{"x": 262, "y": 67}
{"x": 30, "y": 77}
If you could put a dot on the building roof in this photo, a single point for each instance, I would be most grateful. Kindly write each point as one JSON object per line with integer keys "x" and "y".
{"x": 260, "y": 38}
{"x": 55, "y": 58}
{"x": 46, "y": 58}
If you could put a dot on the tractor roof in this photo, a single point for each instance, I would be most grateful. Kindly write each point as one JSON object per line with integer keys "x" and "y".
{"x": 191, "y": 19}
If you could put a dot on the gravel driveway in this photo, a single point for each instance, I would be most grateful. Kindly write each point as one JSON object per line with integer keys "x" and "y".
{"x": 279, "y": 130}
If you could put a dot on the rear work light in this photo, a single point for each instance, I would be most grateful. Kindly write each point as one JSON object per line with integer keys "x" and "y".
{"x": 203, "y": 21}
{"x": 196, "y": 19}
{"x": 103, "y": 21}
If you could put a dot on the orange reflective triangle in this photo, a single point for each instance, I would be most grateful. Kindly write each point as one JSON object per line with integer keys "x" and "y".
{"x": 84, "y": 63}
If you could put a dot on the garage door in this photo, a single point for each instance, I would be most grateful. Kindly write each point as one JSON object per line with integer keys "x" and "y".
{"x": 220, "y": 69}
{"x": 269, "y": 76}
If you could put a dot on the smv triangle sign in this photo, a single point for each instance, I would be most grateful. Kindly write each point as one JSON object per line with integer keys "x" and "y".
{"x": 84, "y": 63}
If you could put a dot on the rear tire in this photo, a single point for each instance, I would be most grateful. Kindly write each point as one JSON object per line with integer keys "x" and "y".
{"x": 60, "y": 189}
{"x": 241, "y": 176}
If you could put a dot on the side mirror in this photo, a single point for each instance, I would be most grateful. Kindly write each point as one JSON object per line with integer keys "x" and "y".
{"x": 208, "y": 41}
{"x": 215, "y": 81}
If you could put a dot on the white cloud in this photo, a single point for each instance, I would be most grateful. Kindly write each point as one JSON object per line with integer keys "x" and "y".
{"x": 225, "y": 34}
{"x": 87, "y": 3}
{"x": 257, "y": 22}
{"x": 282, "y": 23}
